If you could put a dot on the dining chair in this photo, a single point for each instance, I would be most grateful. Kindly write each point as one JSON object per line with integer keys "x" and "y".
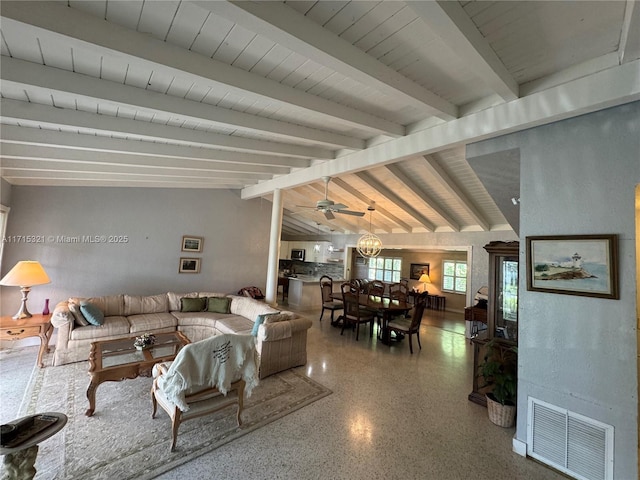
{"x": 328, "y": 302}
{"x": 354, "y": 313}
{"x": 196, "y": 383}
{"x": 409, "y": 326}
{"x": 375, "y": 288}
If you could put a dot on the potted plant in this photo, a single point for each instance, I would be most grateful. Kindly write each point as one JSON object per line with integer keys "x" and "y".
{"x": 500, "y": 371}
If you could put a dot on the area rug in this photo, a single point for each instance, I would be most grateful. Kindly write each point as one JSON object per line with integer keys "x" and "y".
{"x": 122, "y": 441}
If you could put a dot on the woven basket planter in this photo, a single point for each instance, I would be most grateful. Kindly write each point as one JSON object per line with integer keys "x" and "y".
{"x": 501, "y": 415}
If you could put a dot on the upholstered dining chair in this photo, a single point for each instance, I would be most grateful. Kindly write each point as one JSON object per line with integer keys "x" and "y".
{"x": 409, "y": 326}
{"x": 197, "y": 382}
{"x": 376, "y": 288}
{"x": 354, "y": 313}
{"x": 328, "y": 302}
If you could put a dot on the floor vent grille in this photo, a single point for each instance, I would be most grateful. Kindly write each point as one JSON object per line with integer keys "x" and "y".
{"x": 574, "y": 444}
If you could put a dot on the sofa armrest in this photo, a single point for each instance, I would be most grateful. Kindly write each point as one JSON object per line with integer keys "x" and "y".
{"x": 272, "y": 332}
{"x": 62, "y": 316}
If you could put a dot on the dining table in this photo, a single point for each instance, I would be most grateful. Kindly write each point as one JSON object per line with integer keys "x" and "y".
{"x": 382, "y": 305}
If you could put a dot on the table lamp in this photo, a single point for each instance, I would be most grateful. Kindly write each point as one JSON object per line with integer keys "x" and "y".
{"x": 25, "y": 274}
{"x": 424, "y": 278}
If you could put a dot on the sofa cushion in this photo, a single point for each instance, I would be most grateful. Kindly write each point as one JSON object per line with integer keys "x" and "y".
{"x": 111, "y": 305}
{"x": 278, "y": 317}
{"x": 137, "y": 304}
{"x": 234, "y": 324}
{"x": 218, "y": 304}
{"x": 248, "y": 307}
{"x": 203, "y": 319}
{"x": 112, "y": 326}
{"x": 211, "y": 294}
{"x": 174, "y": 299}
{"x": 192, "y": 304}
{"x": 74, "y": 308}
{"x": 147, "y": 322}
{"x": 92, "y": 313}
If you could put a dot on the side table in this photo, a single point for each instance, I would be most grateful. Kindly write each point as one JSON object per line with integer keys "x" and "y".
{"x": 36, "y": 326}
{"x": 19, "y": 461}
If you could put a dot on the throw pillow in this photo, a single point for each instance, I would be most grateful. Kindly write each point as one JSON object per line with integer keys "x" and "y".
{"x": 92, "y": 313}
{"x": 192, "y": 304}
{"x": 260, "y": 319}
{"x": 219, "y": 304}
{"x": 74, "y": 308}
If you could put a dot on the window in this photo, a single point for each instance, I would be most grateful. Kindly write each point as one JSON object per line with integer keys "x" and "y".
{"x": 385, "y": 269}
{"x": 454, "y": 276}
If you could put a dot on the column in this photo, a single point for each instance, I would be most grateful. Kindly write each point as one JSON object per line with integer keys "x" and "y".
{"x": 274, "y": 248}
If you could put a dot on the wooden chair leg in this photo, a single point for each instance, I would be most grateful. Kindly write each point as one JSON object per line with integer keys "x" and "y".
{"x": 410, "y": 344}
{"x": 154, "y": 404}
{"x": 240, "y": 391}
{"x": 419, "y": 344}
{"x": 322, "y": 313}
{"x": 357, "y": 330}
{"x": 175, "y": 424}
{"x": 344, "y": 324}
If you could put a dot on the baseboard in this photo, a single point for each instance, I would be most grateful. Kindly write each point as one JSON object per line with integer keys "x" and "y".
{"x": 519, "y": 447}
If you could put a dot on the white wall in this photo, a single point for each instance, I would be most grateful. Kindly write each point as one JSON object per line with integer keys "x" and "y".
{"x": 235, "y": 231}
{"x": 578, "y": 176}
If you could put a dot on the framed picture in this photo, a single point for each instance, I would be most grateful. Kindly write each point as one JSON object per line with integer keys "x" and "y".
{"x": 361, "y": 261}
{"x": 191, "y": 244}
{"x": 573, "y": 265}
{"x": 189, "y": 265}
{"x": 417, "y": 269}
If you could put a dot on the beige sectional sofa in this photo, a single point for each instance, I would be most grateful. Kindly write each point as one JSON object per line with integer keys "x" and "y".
{"x": 281, "y": 341}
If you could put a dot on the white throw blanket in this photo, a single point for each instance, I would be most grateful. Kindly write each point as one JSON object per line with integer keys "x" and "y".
{"x": 214, "y": 362}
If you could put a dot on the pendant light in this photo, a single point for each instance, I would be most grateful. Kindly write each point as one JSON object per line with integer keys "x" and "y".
{"x": 369, "y": 245}
{"x": 330, "y": 247}
{"x": 316, "y": 247}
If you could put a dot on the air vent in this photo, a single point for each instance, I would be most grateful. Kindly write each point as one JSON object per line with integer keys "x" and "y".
{"x": 574, "y": 444}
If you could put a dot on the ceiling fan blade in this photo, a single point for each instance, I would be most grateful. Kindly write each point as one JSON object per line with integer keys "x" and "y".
{"x": 350, "y": 212}
{"x": 339, "y": 206}
{"x": 329, "y": 215}
{"x": 305, "y": 206}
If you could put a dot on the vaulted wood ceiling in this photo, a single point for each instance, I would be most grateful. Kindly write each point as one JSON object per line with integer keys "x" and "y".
{"x": 381, "y": 96}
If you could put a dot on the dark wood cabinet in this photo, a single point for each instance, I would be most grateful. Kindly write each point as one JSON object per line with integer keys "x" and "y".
{"x": 502, "y": 308}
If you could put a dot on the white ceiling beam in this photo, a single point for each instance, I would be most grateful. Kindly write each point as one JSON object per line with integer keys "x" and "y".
{"x": 451, "y": 23}
{"x": 614, "y": 86}
{"x": 51, "y": 181}
{"x": 14, "y": 150}
{"x": 65, "y": 140}
{"x": 289, "y": 28}
{"x": 51, "y": 117}
{"x": 408, "y": 182}
{"x": 49, "y": 80}
{"x": 56, "y": 21}
{"x": 395, "y": 198}
{"x": 50, "y": 164}
{"x": 629, "y": 48}
{"x": 39, "y": 172}
{"x": 444, "y": 180}
{"x": 356, "y": 193}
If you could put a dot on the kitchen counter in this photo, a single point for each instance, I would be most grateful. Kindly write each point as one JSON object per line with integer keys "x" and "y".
{"x": 304, "y": 291}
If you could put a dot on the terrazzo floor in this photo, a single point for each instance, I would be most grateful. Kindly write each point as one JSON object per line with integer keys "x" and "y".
{"x": 392, "y": 415}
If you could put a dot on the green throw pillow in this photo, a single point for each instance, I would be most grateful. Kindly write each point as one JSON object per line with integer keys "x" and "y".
{"x": 259, "y": 321}
{"x": 91, "y": 313}
{"x": 218, "y": 304}
{"x": 192, "y": 304}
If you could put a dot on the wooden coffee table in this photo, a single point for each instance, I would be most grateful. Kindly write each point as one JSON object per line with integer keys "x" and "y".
{"x": 116, "y": 360}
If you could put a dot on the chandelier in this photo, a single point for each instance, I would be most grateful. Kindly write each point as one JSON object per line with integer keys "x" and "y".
{"x": 369, "y": 244}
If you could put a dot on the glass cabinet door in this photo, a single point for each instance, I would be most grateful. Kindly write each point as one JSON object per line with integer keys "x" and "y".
{"x": 506, "y": 319}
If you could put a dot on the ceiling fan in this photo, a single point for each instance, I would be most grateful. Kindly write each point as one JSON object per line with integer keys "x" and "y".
{"x": 329, "y": 207}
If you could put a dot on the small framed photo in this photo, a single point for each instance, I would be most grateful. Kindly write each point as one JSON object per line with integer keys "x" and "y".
{"x": 574, "y": 265}
{"x": 361, "y": 261}
{"x": 191, "y": 244}
{"x": 189, "y": 265}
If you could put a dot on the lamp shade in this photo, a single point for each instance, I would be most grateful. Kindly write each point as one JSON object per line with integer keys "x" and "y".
{"x": 26, "y": 273}
{"x": 424, "y": 278}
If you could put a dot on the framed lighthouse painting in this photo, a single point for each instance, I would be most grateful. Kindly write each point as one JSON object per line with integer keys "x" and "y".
{"x": 573, "y": 265}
